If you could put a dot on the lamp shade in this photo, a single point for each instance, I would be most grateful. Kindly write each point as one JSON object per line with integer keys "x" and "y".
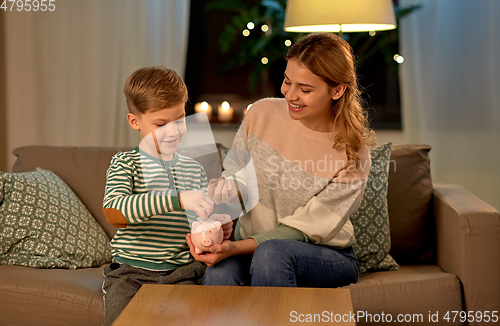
{"x": 339, "y": 15}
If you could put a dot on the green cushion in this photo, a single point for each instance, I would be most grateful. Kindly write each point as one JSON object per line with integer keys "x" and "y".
{"x": 371, "y": 220}
{"x": 44, "y": 224}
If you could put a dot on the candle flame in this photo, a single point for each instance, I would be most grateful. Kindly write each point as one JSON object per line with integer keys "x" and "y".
{"x": 225, "y": 105}
{"x": 204, "y": 106}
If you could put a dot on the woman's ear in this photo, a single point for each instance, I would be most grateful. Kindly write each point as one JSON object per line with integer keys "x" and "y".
{"x": 338, "y": 91}
{"x": 132, "y": 121}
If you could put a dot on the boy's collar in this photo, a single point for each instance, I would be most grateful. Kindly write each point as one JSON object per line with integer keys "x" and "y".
{"x": 157, "y": 159}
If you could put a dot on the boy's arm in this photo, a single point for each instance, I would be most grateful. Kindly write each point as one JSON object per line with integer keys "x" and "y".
{"x": 122, "y": 207}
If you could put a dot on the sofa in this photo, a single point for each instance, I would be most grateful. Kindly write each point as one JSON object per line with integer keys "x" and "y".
{"x": 445, "y": 240}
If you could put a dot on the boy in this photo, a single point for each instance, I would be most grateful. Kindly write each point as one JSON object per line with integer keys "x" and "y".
{"x": 148, "y": 190}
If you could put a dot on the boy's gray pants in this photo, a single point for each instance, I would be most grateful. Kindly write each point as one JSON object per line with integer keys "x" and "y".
{"x": 122, "y": 281}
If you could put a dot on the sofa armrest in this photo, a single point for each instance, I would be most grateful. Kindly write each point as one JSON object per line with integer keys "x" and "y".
{"x": 468, "y": 244}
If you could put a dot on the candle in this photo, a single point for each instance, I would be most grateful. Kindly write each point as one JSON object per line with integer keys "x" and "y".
{"x": 225, "y": 112}
{"x": 203, "y": 107}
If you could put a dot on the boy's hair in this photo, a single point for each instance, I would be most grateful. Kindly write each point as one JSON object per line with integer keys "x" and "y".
{"x": 153, "y": 89}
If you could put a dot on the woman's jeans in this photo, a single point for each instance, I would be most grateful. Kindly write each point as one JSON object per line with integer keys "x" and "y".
{"x": 287, "y": 263}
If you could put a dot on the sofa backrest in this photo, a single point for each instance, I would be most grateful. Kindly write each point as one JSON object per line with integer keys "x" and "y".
{"x": 409, "y": 194}
{"x": 84, "y": 170}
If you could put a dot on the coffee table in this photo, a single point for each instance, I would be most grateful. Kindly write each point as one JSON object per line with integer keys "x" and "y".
{"x": 236, "y": 306}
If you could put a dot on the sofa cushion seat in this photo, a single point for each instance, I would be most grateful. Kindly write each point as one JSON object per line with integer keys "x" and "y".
{"x": 54, "y": 296}
{"x": 394, "y": 292}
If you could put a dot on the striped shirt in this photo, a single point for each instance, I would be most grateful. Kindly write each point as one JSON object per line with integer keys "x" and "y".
{"x": 145, "y": 189}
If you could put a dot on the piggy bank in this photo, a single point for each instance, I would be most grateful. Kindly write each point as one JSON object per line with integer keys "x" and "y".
{"x": 206, "y": 234}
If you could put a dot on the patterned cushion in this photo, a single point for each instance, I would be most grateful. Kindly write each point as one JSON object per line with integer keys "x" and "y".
{"x": 371, "y": 220}
{"x": 44, "y": 224}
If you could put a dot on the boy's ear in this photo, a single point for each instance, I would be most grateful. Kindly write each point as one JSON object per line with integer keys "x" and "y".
{"x": 132, "y": 121}
{"x": 338, "y": 91}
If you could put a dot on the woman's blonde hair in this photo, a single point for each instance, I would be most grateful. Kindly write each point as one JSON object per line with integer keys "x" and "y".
{"x": 153, "y": 89}
{"x": 331, "y": 58}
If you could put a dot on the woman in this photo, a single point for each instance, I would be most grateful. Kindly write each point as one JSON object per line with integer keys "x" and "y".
{"x": 312, "y": 162}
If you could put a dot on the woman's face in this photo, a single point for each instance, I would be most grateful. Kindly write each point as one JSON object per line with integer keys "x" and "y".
{"x": 309, "y": 97}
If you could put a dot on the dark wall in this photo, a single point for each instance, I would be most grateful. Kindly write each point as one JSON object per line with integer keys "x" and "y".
{"x": 205, "y": 64}
{"x": 205, "y": 75}
{"x": 3, "y": 101}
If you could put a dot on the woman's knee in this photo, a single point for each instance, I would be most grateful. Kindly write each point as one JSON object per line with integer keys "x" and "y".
{"x": 270, "y": 250}
{"x": 230, "y": 271}
{"x": 273, "y": 264}
{"x": 272, "y": 254}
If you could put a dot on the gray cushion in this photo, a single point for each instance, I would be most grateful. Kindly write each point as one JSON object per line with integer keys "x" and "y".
{"x": 409, "y": 199}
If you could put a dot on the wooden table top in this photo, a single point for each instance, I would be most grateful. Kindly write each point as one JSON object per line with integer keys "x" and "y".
{"x": 236, "y": 306}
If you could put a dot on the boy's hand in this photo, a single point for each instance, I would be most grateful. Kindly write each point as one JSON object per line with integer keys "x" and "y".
{"x": 197, "y": 201}
{"x": 222, "y": 190}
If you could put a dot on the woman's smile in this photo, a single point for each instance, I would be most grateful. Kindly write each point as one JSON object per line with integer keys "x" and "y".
{"x": 296, "y": 108}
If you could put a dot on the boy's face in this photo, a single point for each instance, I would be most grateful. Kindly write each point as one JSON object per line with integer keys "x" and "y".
{"x": 162, "y": 131}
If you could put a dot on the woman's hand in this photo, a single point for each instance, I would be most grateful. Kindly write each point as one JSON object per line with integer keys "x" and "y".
{"x": 223, "y": 250}
{"x": 216, "y": 254}
{"x": 228, "y": 230}
{"x": 227, "y": 223}
{"x": 222, "y": 190}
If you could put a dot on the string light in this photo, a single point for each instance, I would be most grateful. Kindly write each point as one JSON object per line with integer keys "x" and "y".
{"x": 264, "y": 28}
{"x": 288, "y": 43}
{"x": 398, "y": 58}
{"x": 372, "y": 33}
{"x": 250, "y": 25}
{"x": 246, "y": 32}
{"x": 264, "y": 60}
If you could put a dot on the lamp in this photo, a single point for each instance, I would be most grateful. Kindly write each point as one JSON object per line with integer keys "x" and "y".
{"x": 339, "y": 15}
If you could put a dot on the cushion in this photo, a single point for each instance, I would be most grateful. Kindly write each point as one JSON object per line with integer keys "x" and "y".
{"x": 43, "y": 224}
{"x": 412, "y": 291}
{"x": 409, "y": 199}
{"x": 371, "y": 220}
{"x": 50, "y": 297}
